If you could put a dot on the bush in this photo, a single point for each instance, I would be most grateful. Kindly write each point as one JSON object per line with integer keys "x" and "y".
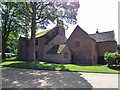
{"x": 112, "y": 58}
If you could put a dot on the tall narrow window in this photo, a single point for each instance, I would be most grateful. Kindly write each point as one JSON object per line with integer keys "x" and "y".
{"x": 66, "y": 55}
{"x": 36, "y": 54}
{"x": 77, "y": 44}
{"x": 36, "y": 42}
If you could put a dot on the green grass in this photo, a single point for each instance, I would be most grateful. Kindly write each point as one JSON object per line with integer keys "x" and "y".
{"x": 61, "y": 67}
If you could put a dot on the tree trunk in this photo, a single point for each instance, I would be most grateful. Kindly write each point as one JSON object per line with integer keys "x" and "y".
{"x": 3, "y": 48}
{"x": 33, "y": 31}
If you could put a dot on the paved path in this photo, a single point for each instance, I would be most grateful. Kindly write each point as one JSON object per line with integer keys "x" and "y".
{"x": 29, "y": 78}
{"x": 98, "y": 80}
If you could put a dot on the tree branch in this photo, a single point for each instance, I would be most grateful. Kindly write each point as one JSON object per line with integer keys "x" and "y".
{"x": 39, "y": 16}
{"x": 48, "y": 15}
{"x": 11, "y": 19}
{"x": 28, "y": 8}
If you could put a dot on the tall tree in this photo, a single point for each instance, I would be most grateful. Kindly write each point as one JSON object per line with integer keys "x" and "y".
{"x": 13, "y": 21}
{"x": 43, "y": 13}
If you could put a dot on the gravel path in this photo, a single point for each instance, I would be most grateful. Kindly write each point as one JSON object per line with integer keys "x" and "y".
{"x": 29, "y": 78}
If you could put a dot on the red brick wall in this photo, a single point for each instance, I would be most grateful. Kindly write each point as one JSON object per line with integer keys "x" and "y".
{"x": 23, "y": 49}
{"x": 107, "y": 46}
{"x": 94, "y": 52}
{"x": 82, "y": 54}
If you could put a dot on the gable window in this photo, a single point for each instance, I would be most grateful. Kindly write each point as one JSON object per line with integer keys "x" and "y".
{"x": 36, "y": 42}
{"x": 77, "y": 44}
{"x": 66, "y": 55}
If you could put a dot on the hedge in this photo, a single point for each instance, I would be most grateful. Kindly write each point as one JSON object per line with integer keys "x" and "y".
{"x": 112, "y": 58}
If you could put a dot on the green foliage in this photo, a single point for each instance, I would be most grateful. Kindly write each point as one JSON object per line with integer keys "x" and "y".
{"x": 112, "y": 58}
{"x": 56, "y": 12}
{"x": 13, "y": 24}
{"x": 12, "y": 44}
{"x": 57, "y": 67}
{"x": 13, "y": 19}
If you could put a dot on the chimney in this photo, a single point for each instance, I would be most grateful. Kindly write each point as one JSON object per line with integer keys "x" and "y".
{"x": 97, "y": 30}
{"x": 61, "y": 31}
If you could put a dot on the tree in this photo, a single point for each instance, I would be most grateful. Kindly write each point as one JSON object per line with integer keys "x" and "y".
{"x": 13, "y": 21}
{"x": 43, "y": 13}
{"x": 12, "y": 44}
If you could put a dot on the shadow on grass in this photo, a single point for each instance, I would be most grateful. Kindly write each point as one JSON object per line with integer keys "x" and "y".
{"x": 10, "y": 59}
{"x": 37, "y": 65}
{"x": 48, "y": 66}
{"x": 86, "y": 65}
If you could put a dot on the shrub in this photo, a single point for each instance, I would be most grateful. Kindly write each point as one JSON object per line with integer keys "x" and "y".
{"x": 112, "y": 58}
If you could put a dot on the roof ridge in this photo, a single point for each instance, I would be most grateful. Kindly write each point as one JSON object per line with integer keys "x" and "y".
{"x": 103, "y": 36}
{"x": 77, "y": 26}
{"x": 102, "y": 32}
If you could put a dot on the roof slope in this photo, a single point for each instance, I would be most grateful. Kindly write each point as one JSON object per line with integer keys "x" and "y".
{"x": 104, "y": 36}
{"x": 40, "y": 34}
{"x": 48, "y": 34}
{"x": 77, "y": 28}
{"x": 56, "y": 49}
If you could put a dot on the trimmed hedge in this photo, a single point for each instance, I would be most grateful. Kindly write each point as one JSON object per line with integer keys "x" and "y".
{"x": 112, "y": 58}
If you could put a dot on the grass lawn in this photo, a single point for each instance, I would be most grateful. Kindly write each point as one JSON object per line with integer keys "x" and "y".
{"x": 61, "y": 67}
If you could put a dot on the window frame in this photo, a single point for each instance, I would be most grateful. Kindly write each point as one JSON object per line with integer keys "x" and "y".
{"x": 66, "y": 55}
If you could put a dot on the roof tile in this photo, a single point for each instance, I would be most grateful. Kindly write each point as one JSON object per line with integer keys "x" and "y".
{"x": 104, "y": 36}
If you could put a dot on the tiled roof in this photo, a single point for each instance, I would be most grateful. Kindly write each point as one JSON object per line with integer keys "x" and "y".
{"x": 56, "y": 49}
{"x": 104, "y": 36}
{"x": 41, "y": 33}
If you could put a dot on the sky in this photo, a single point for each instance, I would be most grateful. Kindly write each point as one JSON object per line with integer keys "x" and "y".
{"x": 97, "y": 14}
{"x": 101, "y": 14}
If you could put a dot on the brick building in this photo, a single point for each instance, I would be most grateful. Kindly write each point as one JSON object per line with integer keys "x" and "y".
{"x": 105, "y": 43}
{"x": 80, "y": 48}
{"x": 83, "y": 47}
{"x": 50, "y": 46}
